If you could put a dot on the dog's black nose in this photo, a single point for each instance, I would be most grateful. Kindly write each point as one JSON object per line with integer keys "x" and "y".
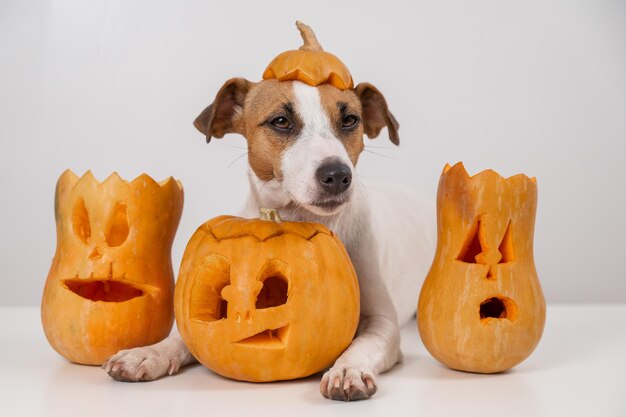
{"x": 334, "y": 177}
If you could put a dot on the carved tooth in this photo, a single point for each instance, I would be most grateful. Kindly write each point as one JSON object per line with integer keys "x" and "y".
{"x": 456, "y": 168}
{"x": 449, "y": 170}
{"x": 88, "y": 178}
{"x": 68, "y": 178}
{"x": 114, "y": 178}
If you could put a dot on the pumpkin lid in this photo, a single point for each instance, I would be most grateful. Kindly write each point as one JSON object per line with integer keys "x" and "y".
{"x": 309, "y": 64}
{"x": 231, "y": 227}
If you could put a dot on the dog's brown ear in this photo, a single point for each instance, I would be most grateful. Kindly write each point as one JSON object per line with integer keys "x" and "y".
{"x": 223, "y": 115}
{"x": 376, "y": 114}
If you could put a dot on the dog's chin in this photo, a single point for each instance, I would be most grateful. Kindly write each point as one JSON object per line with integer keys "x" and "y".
{"x": 326, "y": 208}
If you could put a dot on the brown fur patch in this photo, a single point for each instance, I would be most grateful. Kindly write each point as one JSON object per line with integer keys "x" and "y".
{"x": 376, "y": 114}
{"x": 337, "y": 104}
{"x": 264, "y": 102}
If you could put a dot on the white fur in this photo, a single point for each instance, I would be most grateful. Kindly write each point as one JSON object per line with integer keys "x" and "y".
{"x": 388, "y": 233}
{"x": 401, "y": 223}
{"x": 315, "y": 143}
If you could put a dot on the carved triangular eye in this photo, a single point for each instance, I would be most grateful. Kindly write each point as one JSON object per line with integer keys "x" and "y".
{"x": 472, "y": 246}
{"x": 506, "y": 246}
{"x": 476, "y": 251}
{"x": 80, "y": 221}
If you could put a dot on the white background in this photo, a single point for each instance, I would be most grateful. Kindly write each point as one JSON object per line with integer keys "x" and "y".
{"x": 537, "y": 87}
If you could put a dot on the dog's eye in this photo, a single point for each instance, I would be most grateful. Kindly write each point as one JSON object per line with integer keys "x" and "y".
{"x": 349, "y": 121}
{"x": 281, "y": 123}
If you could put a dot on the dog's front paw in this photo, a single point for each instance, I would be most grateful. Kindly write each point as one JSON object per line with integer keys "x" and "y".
{"x": 348, "y": 383}
{"x": 140, "y": 364}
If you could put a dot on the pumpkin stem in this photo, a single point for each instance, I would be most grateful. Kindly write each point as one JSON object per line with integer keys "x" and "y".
{"x": 308, "y": 36}
{"x": 269, "y": 214}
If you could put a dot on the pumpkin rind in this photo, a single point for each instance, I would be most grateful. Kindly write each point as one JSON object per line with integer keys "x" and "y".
{"x": 310, "y": 67}
{"x": 481, "y": 308}
{"x": 309, "y": 64}
{"x": 110, "y": 285}
{"x": 230, "y": 257}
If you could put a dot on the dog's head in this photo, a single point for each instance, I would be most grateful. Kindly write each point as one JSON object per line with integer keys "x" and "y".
{"x": 303, "y": 142}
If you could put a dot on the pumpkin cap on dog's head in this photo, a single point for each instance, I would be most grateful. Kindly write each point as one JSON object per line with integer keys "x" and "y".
{"x": 309, "y": 64}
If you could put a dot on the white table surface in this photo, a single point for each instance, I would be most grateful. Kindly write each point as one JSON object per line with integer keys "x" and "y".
{"x": 579, "y": 369}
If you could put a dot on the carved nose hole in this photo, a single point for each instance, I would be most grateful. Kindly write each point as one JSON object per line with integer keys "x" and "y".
{"x": 118, "y": 226}
{"x": 95, "y": 254}
{"x": 80, "y": 221}
{"x": 273, "y": 293}
{"x": 498, "y": 308}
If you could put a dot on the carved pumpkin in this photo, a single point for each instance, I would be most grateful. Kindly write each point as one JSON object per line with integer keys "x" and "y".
{"x": 309, "y": 64}
{"x": 481, "y": 308}
{"x": 263, "y": 301}
{"x": 110, "y": 286}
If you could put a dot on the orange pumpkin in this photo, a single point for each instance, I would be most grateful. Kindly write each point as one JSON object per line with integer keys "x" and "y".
{"x": 262, "y": 301}
{"x": 481, "y": 308}
{"x": 110, "y": 286}
{"x": 309, "y": 64}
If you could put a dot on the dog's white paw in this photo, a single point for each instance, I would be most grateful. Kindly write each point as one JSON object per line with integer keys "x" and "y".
{"x": 348, "y": 383}
{"x": 141, "y": 364}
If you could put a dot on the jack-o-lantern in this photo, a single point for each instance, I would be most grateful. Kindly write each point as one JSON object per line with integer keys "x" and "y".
{"x": 110, "y": 286}
{"x": 309, "y": 64}
{"x": 262, "y": 301}
{"x": 481, "y": 308}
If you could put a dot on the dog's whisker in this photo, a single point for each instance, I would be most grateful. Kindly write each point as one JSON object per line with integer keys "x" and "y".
{"x": 237, "y": 159}
{"x": 231, "y": 146}
{"x": 262, "y": 187}
{"x": 364, "y": 189}
{"x": 378, "y": 147}
{"x": 385, "y": 156}
{"x": 284, "y": 95}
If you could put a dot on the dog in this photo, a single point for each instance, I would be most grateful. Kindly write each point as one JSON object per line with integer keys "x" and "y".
{"x": 304, "y": 143}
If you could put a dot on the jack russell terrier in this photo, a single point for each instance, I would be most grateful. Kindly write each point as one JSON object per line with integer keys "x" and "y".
{"x": 304, "y": 143}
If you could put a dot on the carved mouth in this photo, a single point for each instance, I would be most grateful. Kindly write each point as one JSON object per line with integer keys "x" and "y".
{"x": 268, "y": 339}
{"x": 106, "y": 289}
